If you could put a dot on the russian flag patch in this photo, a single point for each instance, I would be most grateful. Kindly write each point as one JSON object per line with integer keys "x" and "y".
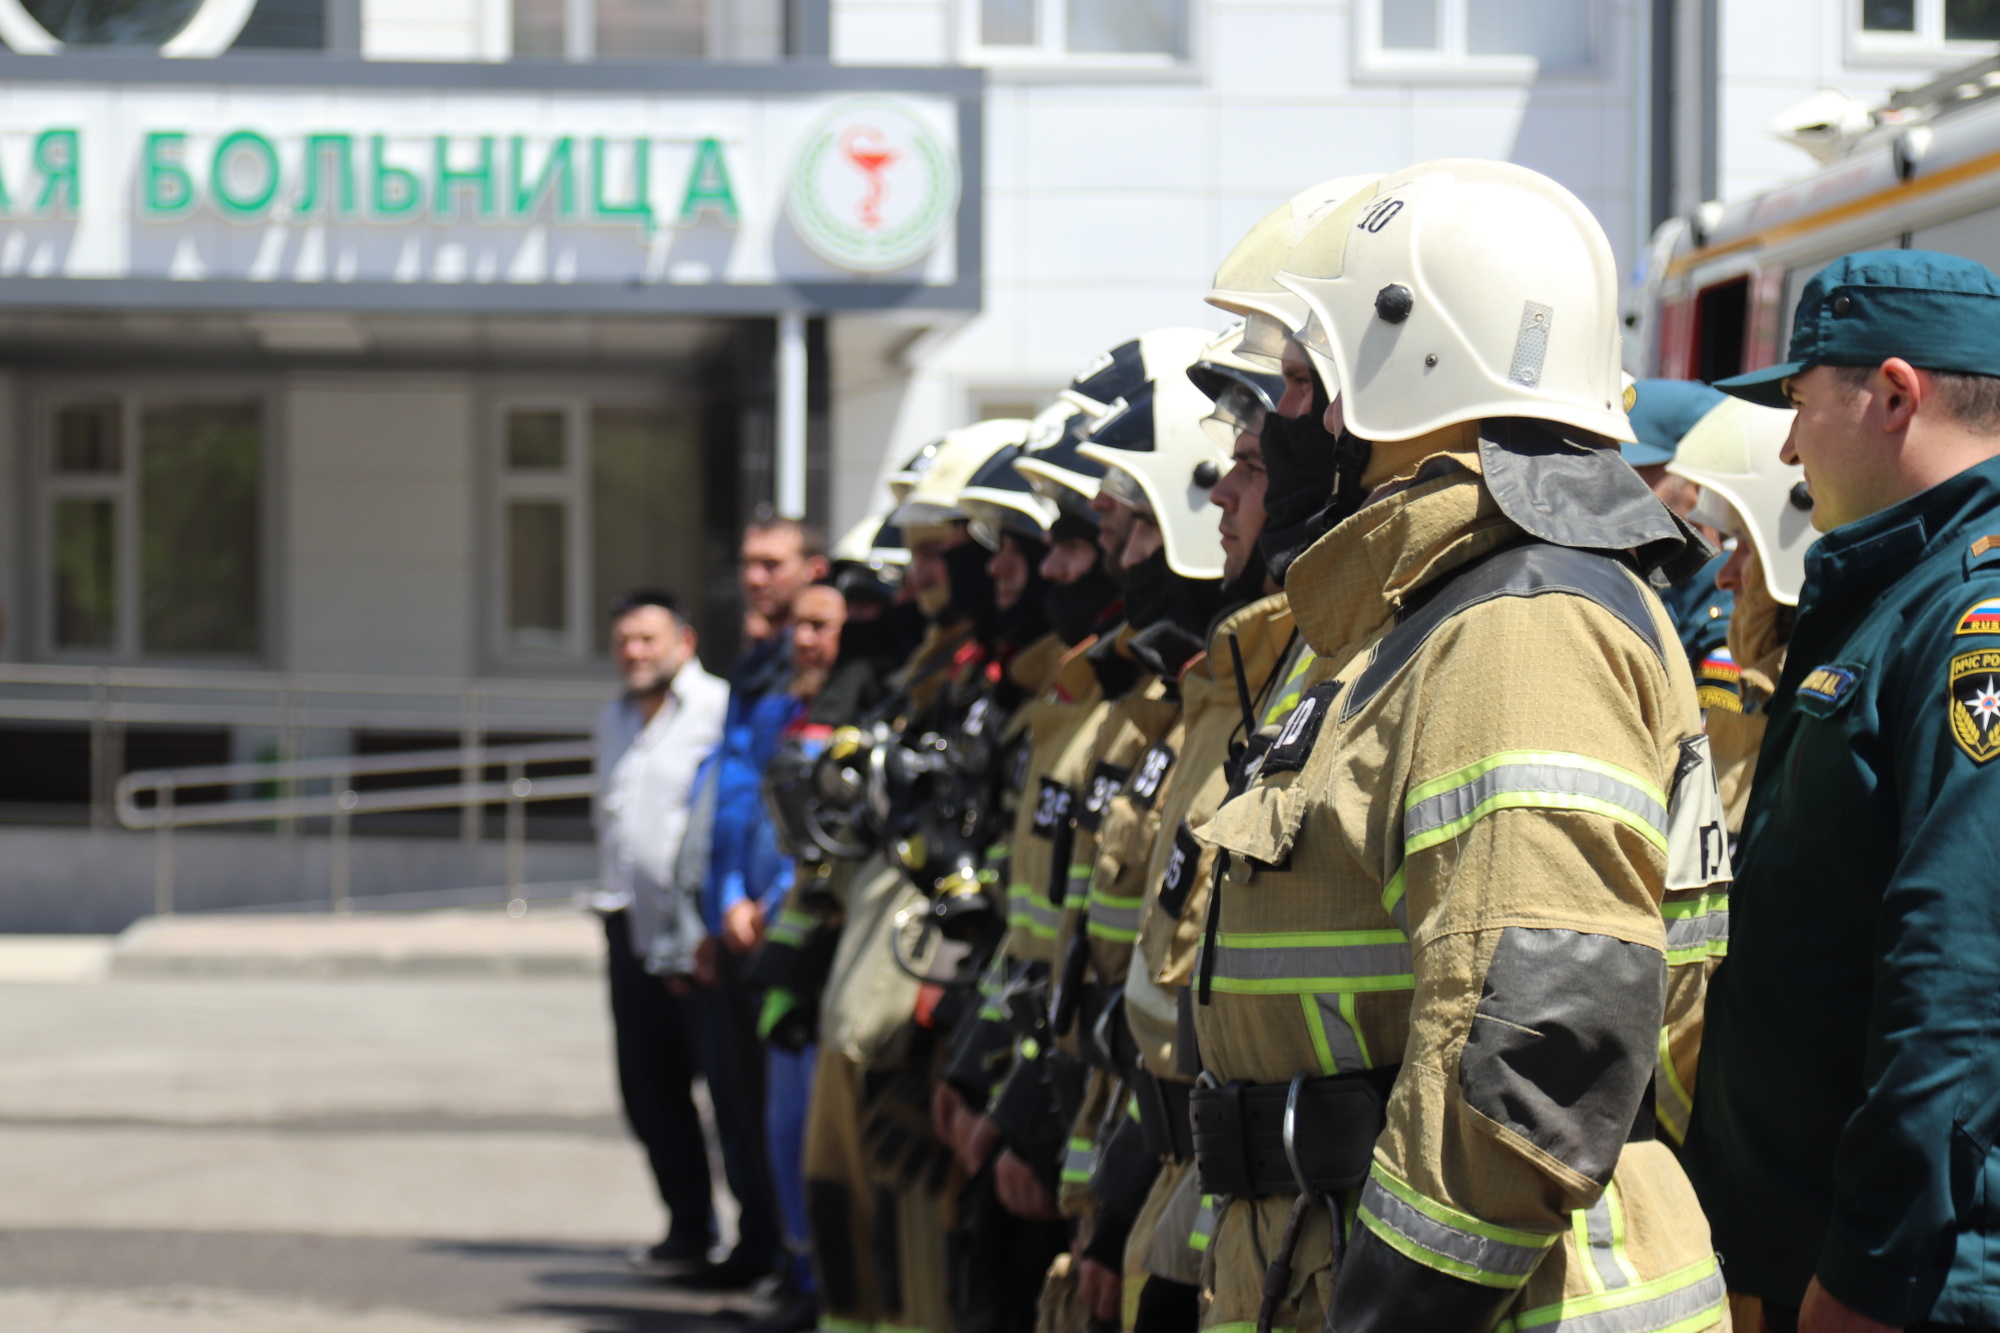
{"x": 1983, "y": 618}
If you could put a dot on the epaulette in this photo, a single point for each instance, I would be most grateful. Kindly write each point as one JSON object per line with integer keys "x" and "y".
{"x": 1983, "y": 552}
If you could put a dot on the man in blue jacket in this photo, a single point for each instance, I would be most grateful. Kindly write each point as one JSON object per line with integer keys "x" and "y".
{"x": 1843, "y": 1140}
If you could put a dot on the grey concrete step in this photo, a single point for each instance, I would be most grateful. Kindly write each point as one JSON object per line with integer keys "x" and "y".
{"x": 545, "y": 942}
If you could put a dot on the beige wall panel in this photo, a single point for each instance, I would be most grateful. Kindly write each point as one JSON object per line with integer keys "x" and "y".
{"x": 379, "y": 533}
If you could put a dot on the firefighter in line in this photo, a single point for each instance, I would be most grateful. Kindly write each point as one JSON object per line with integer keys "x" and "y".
{"x": 1434, "y": 970}
{"x": 1762, "y": 505}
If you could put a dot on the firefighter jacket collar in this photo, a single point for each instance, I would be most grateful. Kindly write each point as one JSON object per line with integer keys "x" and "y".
{"x": 1351, "y": 580}
{"x": 1570, "y": 490}
{"x": 1036, "y": 667}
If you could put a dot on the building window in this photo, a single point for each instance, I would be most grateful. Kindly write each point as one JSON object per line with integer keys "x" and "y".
{"x": 1945, "y": 26}
{"x": 174, "y": 27}
{"x": 154, "y": 530}
{"x": 588, "y": 29}
{"x": 594, "y": 501}
{"x": 1477, "y": 37}
{"x": 1109, "y": 32}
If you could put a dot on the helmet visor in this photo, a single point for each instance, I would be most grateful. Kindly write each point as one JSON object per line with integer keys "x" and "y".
{"x": 1238, "y": 410}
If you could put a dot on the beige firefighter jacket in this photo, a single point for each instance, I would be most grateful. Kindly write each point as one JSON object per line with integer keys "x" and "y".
{"x": 1758, "y": 636}
{"x": 1057, "y": 728}
{"x": 1472, "y": 863}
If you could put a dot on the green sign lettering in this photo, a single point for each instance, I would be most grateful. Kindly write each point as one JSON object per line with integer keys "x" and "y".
{"x": 318, "y": 147}
{"x": 451, "y": 179}
{"x": 255, "y": 201}
{"x": 168, "y": 189}
{"x": 59, "y": 159}
{"x": 397, "y": 192}
{"x": 640, "y": 210}
{"x": 708, "y": 186}
{"x": 557, "y": 169}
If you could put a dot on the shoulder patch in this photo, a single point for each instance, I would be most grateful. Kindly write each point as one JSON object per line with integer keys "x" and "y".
{"x": 1984, "y": 551}
{"x": 1974, "y": 688}
{"x": 1828, "y": 684}
{"x": 1149, "y": 773}
{"x": 1052, "y": 804}
{"x": 1177, "y": 880}
{"x": 1982, "y": 617}
{"x": 1106, "y": 781}
{"x": 1300, "y": 730}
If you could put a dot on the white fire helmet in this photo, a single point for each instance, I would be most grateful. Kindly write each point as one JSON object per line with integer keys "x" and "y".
{"x": 903, "y": 478}
{"x": 1241, "y": 389}
{"x": 1459, "y": 290}
{"x": 1246, "y": 283}
{"x": 1154, "y": 440}
{"x": 999, "y": 500}
{"x": 1732, "y": 454}
{"x": 934, "y": 499}
{"x": 1118, "y": 373}
{"x": 1049, "y": 459}
{"x": 874, "y": 542}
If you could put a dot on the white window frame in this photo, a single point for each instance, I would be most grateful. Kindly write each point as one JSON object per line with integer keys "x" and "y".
{"x": 579, "y": 28}
{"x": 131, "y": 399}
{"x": 1051, "y": 23}
{"x": 571, "y": 487}
{"x": 1450, "y": 62}
{"x": 1926, "y": 46}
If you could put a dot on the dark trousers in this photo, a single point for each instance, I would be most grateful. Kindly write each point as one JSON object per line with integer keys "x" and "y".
{"x": 721, "y": 1026}
{"x": 656, "y": 1069}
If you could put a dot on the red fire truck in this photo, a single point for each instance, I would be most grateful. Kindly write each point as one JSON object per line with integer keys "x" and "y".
{"x": 1716, "y": 293}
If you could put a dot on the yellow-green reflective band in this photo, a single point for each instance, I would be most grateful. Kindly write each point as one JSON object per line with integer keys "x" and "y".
{"x": 1336, "y": 1033}
{"x": 1697, "y": 928}
{"x": 1671, "y": 1102}
{"x": 1599, "y": 1232}
{"x": 1287, "y": 962}
{"x": 1245, "y": 1326}
{"x": 1440, "y": 1237}
{"x": 835, "y": 1324}
{"x": 1204, "y": 1225}
{"x": 1077, "y": 1161}
{"x": 1443, "y": 808}
{"x": 1114, "y": 918}
{"x": 1395, "y": 904}
{"x": 1288, "y": 696}
{"x": 1681, "y": 1302}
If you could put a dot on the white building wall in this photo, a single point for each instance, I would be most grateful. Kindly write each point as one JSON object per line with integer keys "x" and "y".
{"x": 1774, "y": 53}
{"x": 379, "y": 532}
{"x": 436, "y": 29}
{"x": 1111, "y": 196}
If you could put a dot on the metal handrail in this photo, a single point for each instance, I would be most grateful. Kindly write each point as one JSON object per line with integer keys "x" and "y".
{"x": 339, "y": 803}
{"x": 291, "y": 703}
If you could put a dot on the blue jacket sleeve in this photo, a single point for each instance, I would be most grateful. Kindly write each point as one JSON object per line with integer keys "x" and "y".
{"x": 1909, "y": 1163}
{"x": 740, "y": 866}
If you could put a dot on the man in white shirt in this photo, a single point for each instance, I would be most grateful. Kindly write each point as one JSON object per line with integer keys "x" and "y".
{"x": 650, "y": 743}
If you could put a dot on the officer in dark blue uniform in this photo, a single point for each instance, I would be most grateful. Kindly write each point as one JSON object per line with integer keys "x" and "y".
{"x": 1661, "y": 413}
{"x": 1846, "y": 1114}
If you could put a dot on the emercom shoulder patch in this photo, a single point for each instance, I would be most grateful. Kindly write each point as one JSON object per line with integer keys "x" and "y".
{"x": 1974, "y": 707}
{"x": 1828, "y": 684}
{"x": 1982, "y": 617}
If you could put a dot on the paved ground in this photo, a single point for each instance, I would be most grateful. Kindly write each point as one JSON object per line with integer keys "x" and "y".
{"x": 233, "y": 1153}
